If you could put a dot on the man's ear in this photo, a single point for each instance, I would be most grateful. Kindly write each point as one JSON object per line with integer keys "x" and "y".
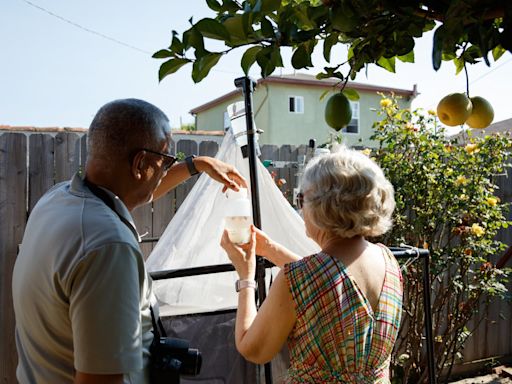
{"x": 138, "y": 165}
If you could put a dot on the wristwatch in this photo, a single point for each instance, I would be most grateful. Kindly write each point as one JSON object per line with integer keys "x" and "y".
{"x": 190, "y": 165}
{"x": 241, "y": 284}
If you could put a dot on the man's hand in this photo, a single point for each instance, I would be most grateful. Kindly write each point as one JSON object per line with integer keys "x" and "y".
{"x": 218, "y": 170}
{"x": 222, "y": 172}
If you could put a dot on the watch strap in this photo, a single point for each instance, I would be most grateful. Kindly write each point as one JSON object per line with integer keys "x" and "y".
{"x": 189, "y": 160}
{"x": 241, "y": 284}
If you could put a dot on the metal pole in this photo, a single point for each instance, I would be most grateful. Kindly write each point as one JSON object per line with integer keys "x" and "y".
{"x": 428, "y": 320}
{"x": 247, "y": 85}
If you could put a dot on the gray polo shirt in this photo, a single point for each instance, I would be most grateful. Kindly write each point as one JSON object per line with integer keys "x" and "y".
{"x": 81, "y": 291}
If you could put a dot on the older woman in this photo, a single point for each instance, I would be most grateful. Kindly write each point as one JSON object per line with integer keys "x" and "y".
{"x": 339, "y": 309}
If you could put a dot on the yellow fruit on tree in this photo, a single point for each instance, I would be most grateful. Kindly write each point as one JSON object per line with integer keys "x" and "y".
{"x": 482, "y": 114}
{"x": 337, "y": 111}
{"x": 454, "y": 109}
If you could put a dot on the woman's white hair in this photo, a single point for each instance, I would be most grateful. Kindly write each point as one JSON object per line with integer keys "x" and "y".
{"x": 347, "y": 194}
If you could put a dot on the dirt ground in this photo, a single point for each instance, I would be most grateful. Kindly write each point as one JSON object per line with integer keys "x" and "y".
{"x": 487, "y": 379}
{"x": 494, "y": 378}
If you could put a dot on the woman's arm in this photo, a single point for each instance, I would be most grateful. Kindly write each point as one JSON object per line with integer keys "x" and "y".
{"x": 259, "y": 335}
{"x": 218, "y": 170}
{"x": 269, "y": 249}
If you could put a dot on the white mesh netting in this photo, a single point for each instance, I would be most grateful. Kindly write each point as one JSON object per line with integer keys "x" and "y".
{"x": 192, "y": 237}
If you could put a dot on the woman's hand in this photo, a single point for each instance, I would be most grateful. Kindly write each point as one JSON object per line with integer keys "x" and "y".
{"x": 270, "y": 250}
{"x": 222, "y": 172}
{"x": 244, "y": 260}
{"x": 264, "y": 243}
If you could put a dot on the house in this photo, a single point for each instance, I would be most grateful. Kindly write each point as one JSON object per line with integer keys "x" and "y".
{"x": 290, "y": 109}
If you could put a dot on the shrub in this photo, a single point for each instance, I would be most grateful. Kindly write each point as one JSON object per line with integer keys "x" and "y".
{"x": 446, "y": 202}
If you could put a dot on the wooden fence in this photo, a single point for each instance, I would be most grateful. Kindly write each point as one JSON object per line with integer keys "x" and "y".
{"x": 32, "y": 163}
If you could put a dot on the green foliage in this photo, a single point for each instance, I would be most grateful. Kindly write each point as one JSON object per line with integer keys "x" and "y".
{"x": 446, "y": 202}
{"x": 188, "y": 127}
{"x": 375, "y": 32}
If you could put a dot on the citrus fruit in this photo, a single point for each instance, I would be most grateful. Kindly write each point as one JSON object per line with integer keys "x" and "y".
{"x": 454, "y": 109}
{"x": 337, "y": 111}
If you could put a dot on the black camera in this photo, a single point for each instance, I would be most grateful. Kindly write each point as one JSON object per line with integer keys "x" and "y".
{"x": 172, "y": 357}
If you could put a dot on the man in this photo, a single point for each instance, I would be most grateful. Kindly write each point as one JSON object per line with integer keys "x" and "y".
{"x": 81, "y": 292}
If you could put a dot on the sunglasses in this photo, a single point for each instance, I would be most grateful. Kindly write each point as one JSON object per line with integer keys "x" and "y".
{"x": 168, "y": 162}
{"x": 300, "y": 200}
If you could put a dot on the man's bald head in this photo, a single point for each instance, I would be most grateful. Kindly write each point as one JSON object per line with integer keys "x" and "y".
{"x": 122, "y": 126}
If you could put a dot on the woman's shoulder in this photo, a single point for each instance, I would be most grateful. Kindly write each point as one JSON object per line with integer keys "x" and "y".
{"x": 307, "y": 261}
{"x": 392, "y": 264}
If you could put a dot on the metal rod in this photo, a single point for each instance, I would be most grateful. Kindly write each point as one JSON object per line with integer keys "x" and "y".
{"x": 399, "y": 253}
{"x": 432, "y": 379}
{"x": 247, "y": 85}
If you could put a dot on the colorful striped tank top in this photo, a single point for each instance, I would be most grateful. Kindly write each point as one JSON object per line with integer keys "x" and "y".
{"x": 337, "y": 337}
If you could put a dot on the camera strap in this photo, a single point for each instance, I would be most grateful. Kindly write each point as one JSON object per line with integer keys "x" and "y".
{"x": 159, "y": 330}
{"x": 107, "y": 199}
{"x": 157, "y": 324}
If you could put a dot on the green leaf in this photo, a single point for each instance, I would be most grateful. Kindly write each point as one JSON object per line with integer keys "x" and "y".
{"x": 301, "y": 58}
{"x": 171, "y": 66}
{"x": 300, "y": 13}
{"x": 230, "y": 6}
{"x": 214, "y": 5}
{"x": 459, "y": 65}
{"x": 437, "y": 48}
{"x": 275, "y": 57}
{"x": 239, "y": 27}
{"x": 203, "y": 65}
{"x": 329, "y": 42}
{"x": 387, "y": 64}
{"x": 322, "y": 75}
{"x": 351, "y": 94}
{"x": 176, "y": 44}
{"x": 270, "y": 6}
{"x": 162, "y": 54}
{"x": 324, "y": 93}
{"x": 497, "y": 52}
{"x": 213, "y": 29}
{"x": 408, "y": 58}
{"x": 193, "y": 38}
{"x": 263, "y": 58}
{"x": 267, "y": 29}
{"x": 249, "y": 57}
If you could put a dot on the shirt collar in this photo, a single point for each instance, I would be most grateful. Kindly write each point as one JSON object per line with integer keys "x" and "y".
{"x": 79, "y": 188}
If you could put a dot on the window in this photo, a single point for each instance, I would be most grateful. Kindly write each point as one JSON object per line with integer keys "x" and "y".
{"x": 296, "y": 104}
{"x": 353, "y": 126}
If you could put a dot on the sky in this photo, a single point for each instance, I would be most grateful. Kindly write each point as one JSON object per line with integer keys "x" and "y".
{"x": 62, "y": 60}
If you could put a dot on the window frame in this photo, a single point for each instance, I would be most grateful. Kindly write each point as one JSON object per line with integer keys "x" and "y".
{"x": 356, "y": 116}
{"x": 295, "y": 98}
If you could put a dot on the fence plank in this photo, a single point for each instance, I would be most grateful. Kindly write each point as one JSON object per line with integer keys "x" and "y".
{"x": 41, "y": 167}
{"x": 13, "y": 214}
{"x": 163, "y": 212}
{"x": 286, "y": 153}
{"x": 67, "y": 155}
{"x": 143, "y": 217}
{"x": 83, "y": 151}
{"x": 56, "y": 159}
{"x": 269, "y": 152}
